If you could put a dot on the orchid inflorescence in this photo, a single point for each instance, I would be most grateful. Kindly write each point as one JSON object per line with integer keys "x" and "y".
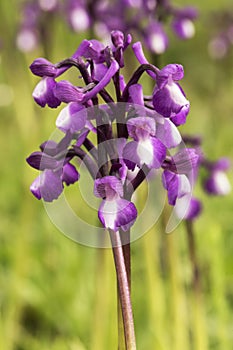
{"x": 134, "y": 133}
{"x": 145, "y": 18}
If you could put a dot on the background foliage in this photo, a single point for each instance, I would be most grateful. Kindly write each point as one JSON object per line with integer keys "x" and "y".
{"x": 55, "y": 294}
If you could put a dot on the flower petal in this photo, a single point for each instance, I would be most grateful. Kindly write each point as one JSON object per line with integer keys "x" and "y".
{"x": 108, "y": 187}
{"x": 69, "y": 174}
{"x": 47, "y": 185}
{"x": 43, "y": 93}
{"x": 141, "y": 128}
{"x": 72, "y": 118}
{"x": 168, "y": 133}
{"x": 67, "y": 92}
{"x": 169, "y": 99}
{"x": 117, "y": 214}
{"x": 150, "y": 152}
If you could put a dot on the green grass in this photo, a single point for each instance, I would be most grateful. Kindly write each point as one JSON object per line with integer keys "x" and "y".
{"x": 56, "y": 294}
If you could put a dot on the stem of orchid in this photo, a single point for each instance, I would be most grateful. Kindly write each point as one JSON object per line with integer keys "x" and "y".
{"x": 123, "y": 291}
{"x": 193, "y": 256}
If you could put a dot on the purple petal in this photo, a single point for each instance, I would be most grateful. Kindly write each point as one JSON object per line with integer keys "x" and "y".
{"x": 177, "y": 185}
{"x": 180, "y": 118}
{"x": 69, "y": 174}
{"x": 155, "y": 38}
{"x": 168, "y": 133}
{"x": 117, "y": 38}
{"x": 108, "y": 187}
{"x": 171, "y": 184}
{"x": 42, "y": 67}
{"x": 44, "y": 93}
{"x": 48, "y": 185}
{"x": 99, "y": 71}
{"x": 117, "y": 214}
{"x": 217, "y": 184}
{"x": 42, "y": 161}
{"x": 186, "y": 160}
{"x": 187, "y": 208}
{"x": 194, "y": 209}
{"x": 183, "y": 27}
{"x": 173, "y": 71}
{"x": 138, "y": 51}
{"x": 169, "y": 99}
{"x": 67, "y": 92}
{"x": 141, "y": 128}
{"x": 72, "y": 118}
{"x": 35, "y": 188}
{"x": 150, "y": 152}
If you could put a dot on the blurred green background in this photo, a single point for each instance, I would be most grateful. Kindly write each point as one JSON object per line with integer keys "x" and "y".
{"x": 56, "y": 294}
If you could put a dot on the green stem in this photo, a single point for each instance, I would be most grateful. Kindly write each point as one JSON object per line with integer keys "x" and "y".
{"x": 193, "y": 257}
{"x": 126, "y": 252}
{"x": 123, "y": 291}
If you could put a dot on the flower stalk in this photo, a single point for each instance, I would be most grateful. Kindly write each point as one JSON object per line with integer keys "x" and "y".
{"x": 123, "y": 290}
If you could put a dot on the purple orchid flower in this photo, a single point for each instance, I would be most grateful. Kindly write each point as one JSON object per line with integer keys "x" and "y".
{"x": 182, "y": 23}
{"x": 44, "y": 93}
{"x": 155, "y": 38}
{"x": 146, "y": 148}
{"x": 168, "y": 97}
{"x": 189, "y": 210}
{"x": 114, "y": 211}
{"x": 217, "y": 182}
{"x": 49, "y": 184}
{"x": 146, "y": 128}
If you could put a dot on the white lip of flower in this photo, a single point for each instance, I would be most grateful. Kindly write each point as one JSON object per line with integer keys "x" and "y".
{"x": 157, "y": 43}
{"x": 40, "y": 89}
{"x": 63, "y": 119}
{"x": 79, "y": 19}
{"x": 222, "y": 183}
{"x": 145, "y": 152}
{"x": 188, "y": 28}
{"x": 110, "y": 210}
{"x": 176, "y": 94}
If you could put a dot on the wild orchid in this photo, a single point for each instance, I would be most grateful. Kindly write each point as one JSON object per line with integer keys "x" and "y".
{"x": 147, "y": 19}
{"x": 134, "y": 135}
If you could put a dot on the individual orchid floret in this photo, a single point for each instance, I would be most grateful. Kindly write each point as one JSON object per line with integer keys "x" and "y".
{"x": 72, "y": 118}
{"x": 168, "y": 97}
{"x": 55, "y": 170}
{"x": 177, "y": 185}
{"x": 182, "y": 23}
{"x": 188, "y": 208}
{"x": 114, "y": 212}
{"x": 44, "y": 93}
{"x": 217, "y": 182}
{"x": 156, "y": 39}
{"x": 48, "y": 185}
{"x": 146, "y": 148}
